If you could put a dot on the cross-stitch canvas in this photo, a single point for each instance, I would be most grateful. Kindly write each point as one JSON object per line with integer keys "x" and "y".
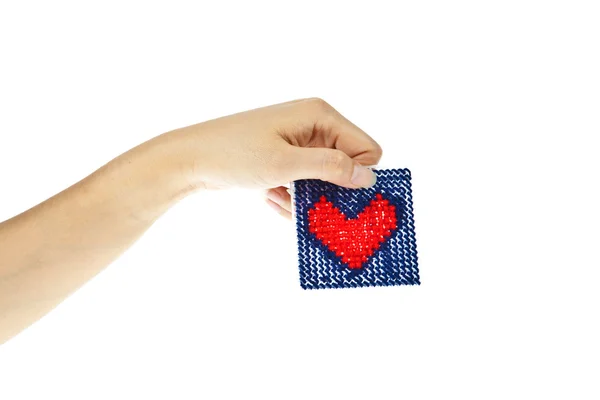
{"x": 356, "y": 237}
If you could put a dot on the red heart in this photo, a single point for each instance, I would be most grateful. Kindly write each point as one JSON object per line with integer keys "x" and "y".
{"x": 353, "y": 240}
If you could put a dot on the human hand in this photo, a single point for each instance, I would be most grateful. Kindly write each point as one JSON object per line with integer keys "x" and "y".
{"x": 272, "y": 146}
{"x": 58, "y": 245}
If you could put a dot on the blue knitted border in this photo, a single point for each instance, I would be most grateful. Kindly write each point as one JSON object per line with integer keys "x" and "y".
{"x": 394, "y": 263}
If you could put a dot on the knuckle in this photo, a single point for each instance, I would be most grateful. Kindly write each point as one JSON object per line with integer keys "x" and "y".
{"x": 377, "y": 151}
{"x": 320, "y": 104}
{"x": 334, "y": 163}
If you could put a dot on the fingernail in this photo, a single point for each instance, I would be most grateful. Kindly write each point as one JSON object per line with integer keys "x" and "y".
{"x": 274, "y": 197}
{"x": 363, "y": 177}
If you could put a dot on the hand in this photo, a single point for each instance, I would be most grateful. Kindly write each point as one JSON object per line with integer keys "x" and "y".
{"x": 53, "y": 248}
{"x": 272, "y": 146}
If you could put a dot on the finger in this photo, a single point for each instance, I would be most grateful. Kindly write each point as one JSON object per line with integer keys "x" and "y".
{"x": 281, "y": 211}
{"x": 280, "y": 196}
{"x": 346, "y": 136}
{"x": 329, "y": 165}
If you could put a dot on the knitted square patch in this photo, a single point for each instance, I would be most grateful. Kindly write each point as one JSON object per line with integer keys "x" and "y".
{"x": 356, "y": 237}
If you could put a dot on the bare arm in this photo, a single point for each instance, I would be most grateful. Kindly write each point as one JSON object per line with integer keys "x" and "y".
{"x": 49, "y": 251}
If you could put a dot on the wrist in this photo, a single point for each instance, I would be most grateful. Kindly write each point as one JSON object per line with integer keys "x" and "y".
{"x": 188, "y": 157}
{"x": 169, "y": 161}
{"x": 149, "y": 179}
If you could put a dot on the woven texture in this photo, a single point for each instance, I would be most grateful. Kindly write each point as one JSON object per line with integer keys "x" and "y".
{"x": 356, "y": 237}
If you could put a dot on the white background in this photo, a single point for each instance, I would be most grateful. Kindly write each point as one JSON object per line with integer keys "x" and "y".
{"x": 494, "y": 106}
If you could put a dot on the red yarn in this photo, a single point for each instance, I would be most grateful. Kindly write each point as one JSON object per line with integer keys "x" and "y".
{"x": 353, "y": 240}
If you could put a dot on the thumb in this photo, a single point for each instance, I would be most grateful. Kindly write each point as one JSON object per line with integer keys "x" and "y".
{"x": 329, "y": 165}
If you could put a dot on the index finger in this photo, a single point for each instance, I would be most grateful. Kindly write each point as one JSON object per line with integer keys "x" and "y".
{"x": 340, "y": 133}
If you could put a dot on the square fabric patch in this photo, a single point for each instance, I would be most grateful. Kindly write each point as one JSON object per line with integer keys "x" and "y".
{"x": 356, "y": 237}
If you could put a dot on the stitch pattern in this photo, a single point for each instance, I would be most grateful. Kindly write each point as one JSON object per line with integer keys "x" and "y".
{"x": 356, "y": 237}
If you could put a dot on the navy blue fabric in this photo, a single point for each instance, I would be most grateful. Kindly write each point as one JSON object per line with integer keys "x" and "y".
{"x": 394, "y": 263}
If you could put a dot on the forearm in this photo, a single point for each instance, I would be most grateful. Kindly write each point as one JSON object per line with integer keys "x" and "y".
{"x": 49, "y": 251}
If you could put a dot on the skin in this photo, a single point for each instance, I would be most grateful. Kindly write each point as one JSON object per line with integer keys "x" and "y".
{"x": 52, "y": 249}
